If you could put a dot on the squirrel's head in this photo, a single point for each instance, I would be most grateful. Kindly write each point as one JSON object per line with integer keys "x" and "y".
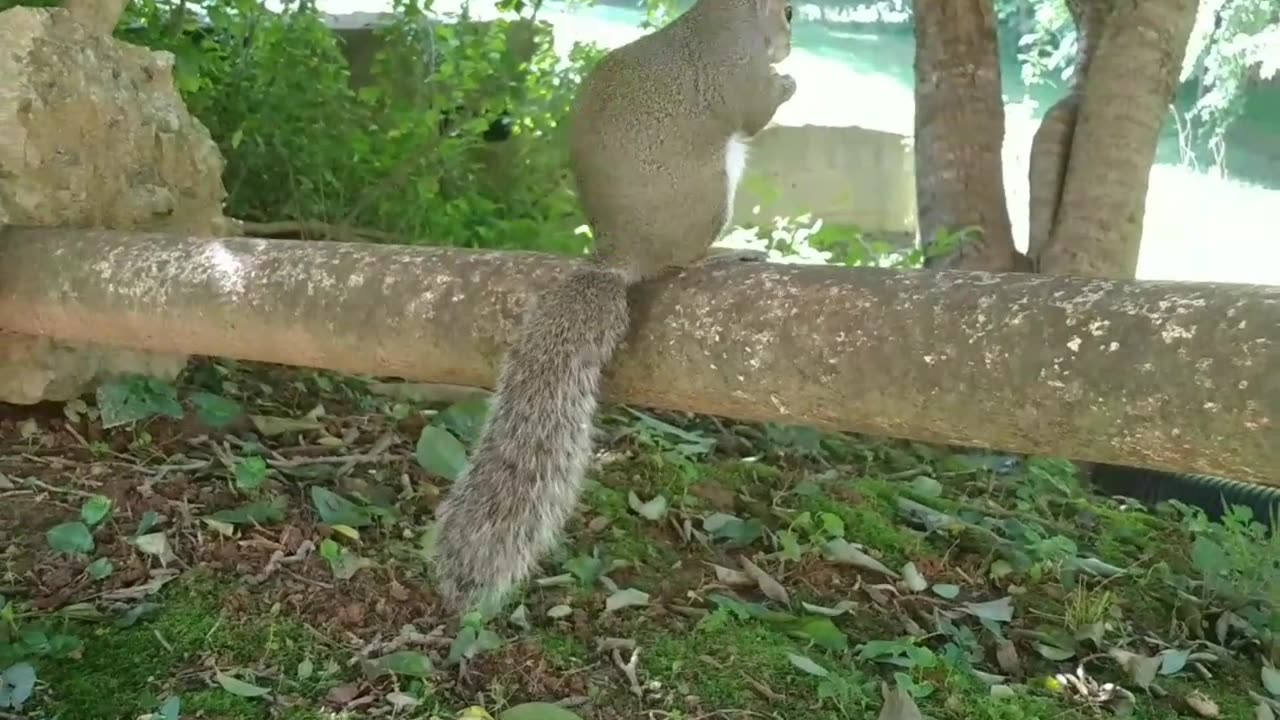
{"x": 775, "y": 22}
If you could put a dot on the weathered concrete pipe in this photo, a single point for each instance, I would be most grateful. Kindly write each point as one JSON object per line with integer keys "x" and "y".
{"x": 1167, "y": 375}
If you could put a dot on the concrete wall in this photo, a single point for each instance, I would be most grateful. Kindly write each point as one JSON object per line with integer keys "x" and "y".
{"x": 844, "y": 175}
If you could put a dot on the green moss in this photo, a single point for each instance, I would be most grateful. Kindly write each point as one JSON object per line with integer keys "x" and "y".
{"x": 125, "y": 672}
{"x": 714, "y": 661}
{"x": 566, "y": 652}
{"x": 867, "y": 509}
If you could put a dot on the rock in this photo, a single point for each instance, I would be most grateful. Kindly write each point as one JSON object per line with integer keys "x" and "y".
{"x": 93, "y": 133}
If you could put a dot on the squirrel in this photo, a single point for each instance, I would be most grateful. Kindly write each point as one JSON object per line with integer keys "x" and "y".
{"x": 658, "y": 140}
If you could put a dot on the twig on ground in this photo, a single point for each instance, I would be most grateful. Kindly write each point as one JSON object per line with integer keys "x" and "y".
{"x": 279, "y": 559}
{"x": 628, "y": 668}
{"x": 330, "y": 460}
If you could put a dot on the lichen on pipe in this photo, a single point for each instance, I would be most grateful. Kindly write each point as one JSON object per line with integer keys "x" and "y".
{"x": 1168, "y": 375}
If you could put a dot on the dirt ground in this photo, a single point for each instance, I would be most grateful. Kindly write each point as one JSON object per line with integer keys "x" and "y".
{"x": 256, "y": 546}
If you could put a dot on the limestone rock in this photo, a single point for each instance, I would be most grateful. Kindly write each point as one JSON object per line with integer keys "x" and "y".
{"x": 93, "y": 134}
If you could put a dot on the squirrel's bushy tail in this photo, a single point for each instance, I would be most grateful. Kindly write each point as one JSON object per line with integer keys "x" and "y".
{"x": 527, "y": 466}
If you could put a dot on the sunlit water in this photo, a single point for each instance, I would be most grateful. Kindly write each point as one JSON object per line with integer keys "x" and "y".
{"x": 1197, "y": 226}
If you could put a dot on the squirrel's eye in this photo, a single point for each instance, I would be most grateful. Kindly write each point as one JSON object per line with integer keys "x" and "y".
{"x": 787, "y": 12}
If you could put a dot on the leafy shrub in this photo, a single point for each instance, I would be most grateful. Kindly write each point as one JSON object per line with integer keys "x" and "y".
{"x": 403, "y": 155}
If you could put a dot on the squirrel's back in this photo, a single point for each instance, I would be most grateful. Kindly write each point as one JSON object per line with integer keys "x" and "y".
{"x": 651, "y": 173}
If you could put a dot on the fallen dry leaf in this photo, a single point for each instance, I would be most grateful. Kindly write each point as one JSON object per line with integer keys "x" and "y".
{"x": 770, "y": 587}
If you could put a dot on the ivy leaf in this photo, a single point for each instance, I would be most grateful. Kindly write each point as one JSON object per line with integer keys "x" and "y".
{"x": 239, "y": 687}
{"x": 465, "y": 417}
{"x": 440, "y": 453}
{"x": 171, "y": 709}
{"x": 626, "y": 598}
{"x": 822, "y": 631}
{"x": 654, "y": 509}
{"x": 1000, "y": 610}
{"x": 403, "y": 662}
{"x": 100, "y": 568}
{"x": 946, "y": 590}
{"x": 136, "y": 397}
{"x": 17, "y": 683}
{"x": 262, "y": 512}
{"x": 807, "y": 665}
{"x": 95, "y": 509}
{"x": 1271, "y": 679}
{"x": 337, "y": 510}
{"x": 70, "y": 538}
{"x": 215, "y": 410}
{"x": 250, "y": 473}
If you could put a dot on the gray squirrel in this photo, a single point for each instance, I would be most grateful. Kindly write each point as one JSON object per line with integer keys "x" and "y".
{"x": 658, "y": 144}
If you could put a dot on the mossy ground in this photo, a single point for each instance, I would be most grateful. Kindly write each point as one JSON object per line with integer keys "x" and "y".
{"x": 307, "y": 609}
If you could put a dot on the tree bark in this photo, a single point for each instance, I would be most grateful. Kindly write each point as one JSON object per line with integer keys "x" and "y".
{"x": 1046, "y": 173}
{"x": 1125, "y": 96}
{"x": 959, "y": 130}
{"x": 1177, "y": 376}
{"x": 1051, "y": 145}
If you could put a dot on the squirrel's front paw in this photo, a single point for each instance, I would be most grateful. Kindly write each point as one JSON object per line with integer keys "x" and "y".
{"x": 786, "y": 87}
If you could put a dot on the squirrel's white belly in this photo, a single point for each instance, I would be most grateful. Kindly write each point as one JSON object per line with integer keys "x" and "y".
{"x": 735, "y": 162}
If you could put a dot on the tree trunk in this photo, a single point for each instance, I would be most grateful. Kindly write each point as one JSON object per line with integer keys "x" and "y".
{"x": 1126, "y": 92}
{"x": 959, "y": 131}
{"x": 1051, "y": 146}
{"x": 1047, "y": 171}
{"x": 1177, "y": 376}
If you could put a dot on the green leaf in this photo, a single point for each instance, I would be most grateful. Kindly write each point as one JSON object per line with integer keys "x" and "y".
{"x": 926, "y": 486}
{"x": 17, "y": 683}
{"x": 737, "y": 532}
{"x": 136, "y": 397}
{"x": 95, "y": 509}
{"x": 1053, "y": 652}
{"x": 262, "y": 512}
{"x": 1271, "y": 679}
{"x": 1172, "y": 661}
{"x": 654, "y": 509}
{"x": 807, "y": 665}
{"x": 239, "y": 687}
{"x": 250, "y": 473}
{"x": 171, "y": 709}
{"x": 822, "y": 631}
{"x": 1000, "y": 610}
{"x": 337, "y": 510}
{"x": 100, "y": 568}
{"x": 465, "y": 417}
{"x": 537, "y": 711}
{"x": 586, "y": 568}
{"x": 215, "y": 410}
{"x": 403, "y": 662}
{"x": 70, "y": 538}
{"x": 440, "y": 453}
{"x": 629, "y": 597}
{"x": 946, "y": 590}
{"x": 149, "y": 520}
{"x": 343, "y": 563}
{"x": 1208, "y": 557}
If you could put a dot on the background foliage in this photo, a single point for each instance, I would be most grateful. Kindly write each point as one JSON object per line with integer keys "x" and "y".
{"x": 405, "y": 157}
{"x": 300, "y": 143}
